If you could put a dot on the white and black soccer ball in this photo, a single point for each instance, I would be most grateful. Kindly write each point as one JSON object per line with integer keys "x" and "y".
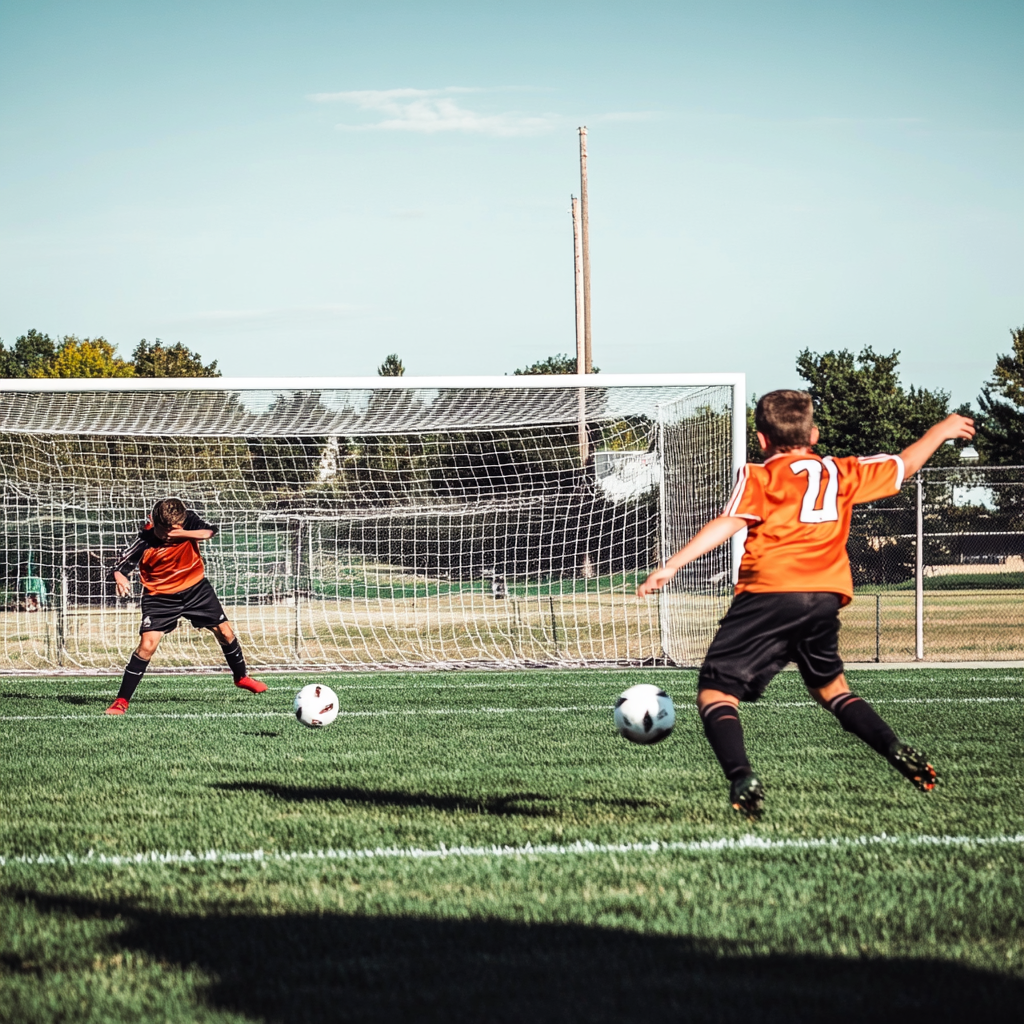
{"x": 645, "y": 714}
{"x": 316, "y": 705}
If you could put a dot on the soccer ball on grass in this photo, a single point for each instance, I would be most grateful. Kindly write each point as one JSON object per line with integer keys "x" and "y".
{"x": 644, "y": 714}
{"x": 316, "y": 705}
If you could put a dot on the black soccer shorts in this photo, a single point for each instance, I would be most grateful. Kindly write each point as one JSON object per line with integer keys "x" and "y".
{"x": 762, "y": 633}
{"x": 199, "y": 604}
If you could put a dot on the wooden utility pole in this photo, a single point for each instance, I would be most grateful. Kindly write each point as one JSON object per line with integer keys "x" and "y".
{"x": 584, "y": 358}
{"x": 577, "y": 250}
{"x": 585, "y": 244}
{"x": 581, "y": 344}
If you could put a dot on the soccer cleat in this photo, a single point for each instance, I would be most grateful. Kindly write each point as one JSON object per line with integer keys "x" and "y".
{"x": 250, "y": 684}
{"x": 119, "y": 707}
{"x": 913, "y": 765}
{"x": 747, "y": 796}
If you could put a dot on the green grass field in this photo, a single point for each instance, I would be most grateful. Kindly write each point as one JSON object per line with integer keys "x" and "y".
{"x": 483, "y": 847}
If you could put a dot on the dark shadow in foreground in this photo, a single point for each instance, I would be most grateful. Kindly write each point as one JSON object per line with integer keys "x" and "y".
{"x": 535, "y": 805}
{"x": 333, "y": 967}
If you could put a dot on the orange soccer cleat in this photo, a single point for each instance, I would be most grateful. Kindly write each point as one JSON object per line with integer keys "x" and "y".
{"x": 250, "y": 684}
{"x": 913, "y": 765}
{"x": 119, "y": 707}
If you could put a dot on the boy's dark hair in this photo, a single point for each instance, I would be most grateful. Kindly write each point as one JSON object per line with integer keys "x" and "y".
{"x": 785, "y": 418}
{"x": 169, "y": 512}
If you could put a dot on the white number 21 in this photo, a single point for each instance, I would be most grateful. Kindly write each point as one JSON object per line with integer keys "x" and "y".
{"x": 829, "y": 511}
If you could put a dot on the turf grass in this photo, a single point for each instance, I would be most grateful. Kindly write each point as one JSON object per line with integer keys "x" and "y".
{"x": 481, "y": 846}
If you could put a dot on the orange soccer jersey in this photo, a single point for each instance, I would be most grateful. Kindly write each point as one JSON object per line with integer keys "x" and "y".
{"x": 165, "y": 566}
{"x": 172, "y": 567}
{"x": 799, "y": 507}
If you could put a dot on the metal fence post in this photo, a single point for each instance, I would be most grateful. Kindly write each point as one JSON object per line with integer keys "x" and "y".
{"x": 878, "y": 627}
{"x": 62, "y": 619}
{"x": 297, "y": 591}
{"x": 919, "y": 574}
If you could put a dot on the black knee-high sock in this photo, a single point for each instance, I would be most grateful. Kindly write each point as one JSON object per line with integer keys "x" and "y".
{"x": 856, "y": 715}
{"x": 725, "y": 734}
{"x": 235, "y": 659}
{"x": 133, "y": 673}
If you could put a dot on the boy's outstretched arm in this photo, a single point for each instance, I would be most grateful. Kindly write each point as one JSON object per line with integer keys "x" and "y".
{"x": 953, "y": 427}
{"x": 180, "y": 533}
{"x": 706, "y": 539}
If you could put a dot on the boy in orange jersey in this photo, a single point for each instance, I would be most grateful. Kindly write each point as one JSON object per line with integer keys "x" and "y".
{"x": 175, "y": 585}
{"x": 794, "y": 577}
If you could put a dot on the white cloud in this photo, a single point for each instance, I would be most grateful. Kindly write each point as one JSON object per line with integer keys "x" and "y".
{"x": 433, "y": 110}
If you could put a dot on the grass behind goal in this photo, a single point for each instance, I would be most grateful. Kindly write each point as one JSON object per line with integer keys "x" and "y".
{"x": 483, "y": 847}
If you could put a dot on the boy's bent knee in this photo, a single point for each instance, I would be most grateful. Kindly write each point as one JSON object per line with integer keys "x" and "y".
{"x": 148, "y": 643}
{"x": 223, "y": 632}
{"x": 706, "y": 697}
{"x": 823, "y": 694}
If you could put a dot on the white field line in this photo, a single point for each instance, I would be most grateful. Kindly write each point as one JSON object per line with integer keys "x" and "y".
{"x": 905, "y": 700}
{"x": 746, "y": 844}
{"x": 153, "y": 684}
{"x": 420, "y": 684}
{"x": 447, "y": 712}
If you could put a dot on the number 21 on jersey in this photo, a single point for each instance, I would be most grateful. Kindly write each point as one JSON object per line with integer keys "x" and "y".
{"x": 829, "y": 511}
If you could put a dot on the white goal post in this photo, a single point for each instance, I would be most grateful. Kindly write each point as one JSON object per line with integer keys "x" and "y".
{"x": 385, "y": 522}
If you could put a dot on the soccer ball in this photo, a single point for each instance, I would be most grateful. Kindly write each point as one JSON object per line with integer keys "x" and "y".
{"x": 644, "y": 714}
{"x": 316, "y": 705}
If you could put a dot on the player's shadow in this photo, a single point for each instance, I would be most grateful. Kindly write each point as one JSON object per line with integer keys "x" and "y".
{"x": 537, "y": 805}
{"x": 59, "y": 698}
{"x": 331, "y": 966}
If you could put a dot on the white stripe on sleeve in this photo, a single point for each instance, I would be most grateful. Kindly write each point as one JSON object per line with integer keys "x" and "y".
{"x": 737, "y": 492}
{"x": 900, "y": 468}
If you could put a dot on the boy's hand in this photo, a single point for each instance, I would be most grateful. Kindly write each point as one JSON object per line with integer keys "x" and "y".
{"x": 953, "y": 428}
{"x": 121, "y": 585}
{"x": 956, "y": 427}
{"x": 655, "y": 581}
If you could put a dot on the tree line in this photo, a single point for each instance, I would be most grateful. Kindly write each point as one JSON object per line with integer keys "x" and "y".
{"x": 38, "y": 355}
{"x": 861, "y": 405}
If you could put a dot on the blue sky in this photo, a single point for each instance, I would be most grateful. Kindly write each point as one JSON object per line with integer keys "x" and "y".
{"x": 303, "y": 188}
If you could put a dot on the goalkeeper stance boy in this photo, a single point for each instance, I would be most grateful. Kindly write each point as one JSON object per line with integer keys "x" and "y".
{"x": 175, "y": 585}
{"x": 794, "y": 577}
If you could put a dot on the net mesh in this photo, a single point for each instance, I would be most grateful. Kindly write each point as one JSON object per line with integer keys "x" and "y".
{"x": 370, "y": 527}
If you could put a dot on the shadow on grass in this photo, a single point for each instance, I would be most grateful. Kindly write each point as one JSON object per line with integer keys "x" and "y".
{"x": 333, "y": 967}
{"x": 537, "y": 805}
{"x": 58, "y": 698}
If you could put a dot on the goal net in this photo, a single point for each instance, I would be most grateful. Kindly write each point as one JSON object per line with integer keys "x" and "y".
{"x": 384, "y": 523}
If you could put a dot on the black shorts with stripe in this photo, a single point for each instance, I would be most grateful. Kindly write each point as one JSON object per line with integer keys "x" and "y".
{"x": 199, "y": 604}
{"x": 762, "y": 633}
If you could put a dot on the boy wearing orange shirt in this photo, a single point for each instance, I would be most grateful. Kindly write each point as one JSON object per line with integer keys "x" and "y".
{"x": 794, "y": 577}
{"x": 174, "y": 587}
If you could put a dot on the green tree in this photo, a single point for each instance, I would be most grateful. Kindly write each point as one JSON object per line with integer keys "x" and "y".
{"x": 83, "y": 357}
{"x": 754, "y": 453}
{"x": 154, "y": 359}
{"x": 1001, "y": 423}
{"x": 861, "y": 407}
{"x": 560, "y": 363}
{"x": 391, "y": 367}
{"x": 31, "y": 353}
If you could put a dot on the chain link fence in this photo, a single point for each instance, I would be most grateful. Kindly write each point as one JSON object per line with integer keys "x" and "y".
{"x": 938, "y": 570}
